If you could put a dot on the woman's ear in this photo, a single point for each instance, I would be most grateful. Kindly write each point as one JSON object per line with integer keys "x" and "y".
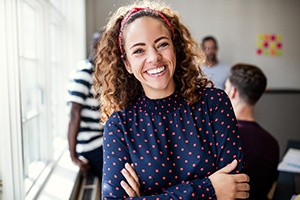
{"x": 127, "y": 65}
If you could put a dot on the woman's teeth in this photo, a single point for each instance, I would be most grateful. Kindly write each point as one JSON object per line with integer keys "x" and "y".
{"x": 156, "y": 70}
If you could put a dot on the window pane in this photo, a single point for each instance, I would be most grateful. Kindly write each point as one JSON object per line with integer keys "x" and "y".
{"x": 56, "y": 76}
{"x": 29, "y": 88}
{"x": 32, "y": 95}
{"x": 28, "y": 32}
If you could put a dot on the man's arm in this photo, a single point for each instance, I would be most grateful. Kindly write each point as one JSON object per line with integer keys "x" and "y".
{"x": 73, "y": 129}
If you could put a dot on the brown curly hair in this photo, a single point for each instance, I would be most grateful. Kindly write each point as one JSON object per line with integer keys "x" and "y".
{"x": 117, "y": 89}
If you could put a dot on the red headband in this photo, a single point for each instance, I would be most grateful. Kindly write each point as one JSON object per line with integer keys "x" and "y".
{"x": 135, "y": 10}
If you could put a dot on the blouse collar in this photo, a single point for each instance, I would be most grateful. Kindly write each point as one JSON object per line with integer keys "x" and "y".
{"x": 164, "y": 105}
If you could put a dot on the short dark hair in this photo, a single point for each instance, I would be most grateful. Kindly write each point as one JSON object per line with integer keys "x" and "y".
{"x": 249, "y": 80}
{"x": 209, "y": 38}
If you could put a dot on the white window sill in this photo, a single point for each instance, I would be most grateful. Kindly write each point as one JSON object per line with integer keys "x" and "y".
{"x": 63, "y": 182}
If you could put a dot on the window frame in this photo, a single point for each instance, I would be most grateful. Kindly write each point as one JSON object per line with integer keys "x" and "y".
{"x": 71, "y": 16}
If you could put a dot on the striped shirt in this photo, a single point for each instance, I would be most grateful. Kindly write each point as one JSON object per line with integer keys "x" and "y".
{"x": 80, "y": 90}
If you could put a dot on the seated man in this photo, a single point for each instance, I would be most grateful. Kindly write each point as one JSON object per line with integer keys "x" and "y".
{"x": 244, "y": 86}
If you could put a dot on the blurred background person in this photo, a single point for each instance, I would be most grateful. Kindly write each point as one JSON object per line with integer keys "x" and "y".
{"x": 215, "y": 70}
{"x": 84, "y": 130}
{"x": 245, "y": 86}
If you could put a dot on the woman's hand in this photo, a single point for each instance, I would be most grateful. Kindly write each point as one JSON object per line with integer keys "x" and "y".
{"x": 230, "y": 186}
{"x": 226, "y": 186}
{"x": 132, "y": 187}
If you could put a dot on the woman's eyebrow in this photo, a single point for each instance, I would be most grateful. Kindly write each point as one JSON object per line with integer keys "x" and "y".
{"x": 160, "y": 38}
{"x": 143, "y": 44}
{"x": 137, "y": 44}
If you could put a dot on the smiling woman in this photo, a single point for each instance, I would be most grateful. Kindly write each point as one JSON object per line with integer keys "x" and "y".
{"x": 150, "y": 56}
{"x": 168, "y": 133}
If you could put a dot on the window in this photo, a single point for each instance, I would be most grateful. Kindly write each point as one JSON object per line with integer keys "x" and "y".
{"x": 32, "y": 90}
{"x": 38, "y": 54}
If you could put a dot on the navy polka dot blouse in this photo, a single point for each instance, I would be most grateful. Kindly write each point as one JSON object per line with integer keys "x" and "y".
{"x": 173, "y": 146}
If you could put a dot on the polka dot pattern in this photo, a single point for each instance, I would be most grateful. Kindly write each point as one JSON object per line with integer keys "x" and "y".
{"x": 174, "y": 146}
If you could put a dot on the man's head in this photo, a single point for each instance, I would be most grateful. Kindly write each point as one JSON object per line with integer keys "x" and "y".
{"x": 210, "y": 47}
{"x": 248, "y": 81}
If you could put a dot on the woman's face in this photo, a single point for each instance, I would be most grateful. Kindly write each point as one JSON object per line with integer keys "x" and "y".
{"x": 150, "y": 56}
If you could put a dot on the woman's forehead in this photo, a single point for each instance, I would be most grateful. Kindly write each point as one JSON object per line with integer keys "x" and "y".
{"x": 146, "y": 27}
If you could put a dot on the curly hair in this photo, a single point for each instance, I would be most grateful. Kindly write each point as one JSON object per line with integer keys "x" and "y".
{"x": 118, "y": 89}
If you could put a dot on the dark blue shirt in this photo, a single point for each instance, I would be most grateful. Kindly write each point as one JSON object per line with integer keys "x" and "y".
{"x": 174, "y": 146}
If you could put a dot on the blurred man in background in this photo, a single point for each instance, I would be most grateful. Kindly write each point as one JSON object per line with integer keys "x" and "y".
{"x": 215, "y": 70}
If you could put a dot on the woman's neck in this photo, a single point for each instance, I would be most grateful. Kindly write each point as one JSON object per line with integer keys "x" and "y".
{"x": 160, "y": 93}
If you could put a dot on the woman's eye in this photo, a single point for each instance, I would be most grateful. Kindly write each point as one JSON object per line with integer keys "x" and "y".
{"x": 137, "y": 51}
{"x": 164, "y": 44}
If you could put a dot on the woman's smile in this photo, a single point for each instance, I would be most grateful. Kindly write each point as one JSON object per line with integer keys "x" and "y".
{"x": 156, "y": 71}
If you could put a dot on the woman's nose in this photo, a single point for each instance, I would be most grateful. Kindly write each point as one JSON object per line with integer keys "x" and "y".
{"x": 153, "y": 55}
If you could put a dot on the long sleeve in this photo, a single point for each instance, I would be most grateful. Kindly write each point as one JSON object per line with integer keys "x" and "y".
{"x": 116, "y": 155}
{"x": 225, "y": 129}
{"x": 173, "y": 146}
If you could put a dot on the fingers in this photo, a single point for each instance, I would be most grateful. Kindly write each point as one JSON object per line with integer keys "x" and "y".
{"x": 128, "y": 189}
{"x": 84, "y": 166}
{"x": 132, "y": 187}
{"x": 132, "y": 172}
{"x": 242, "y": 186}
{"x": 242, "y": 195}
{"x": 230, "y": 167}
{"x": 241, "y": 178}
{"x": 228, "y": 185}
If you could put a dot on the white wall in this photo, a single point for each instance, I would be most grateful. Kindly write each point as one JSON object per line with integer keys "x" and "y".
{"x": 236, "y": 24}
{"x": 278, "y": 112}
